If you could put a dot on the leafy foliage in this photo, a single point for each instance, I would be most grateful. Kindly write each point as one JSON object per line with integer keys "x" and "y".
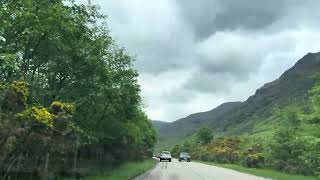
{"x": 58, "y": 107}
{"x": 67, "y": 88}
{"x": 253, "y": 156}
{"x": 225, "y": 150}
{"x": 204, "y": 135}
{"x": 13, "y": 96}
{"x": 41, "y": 115}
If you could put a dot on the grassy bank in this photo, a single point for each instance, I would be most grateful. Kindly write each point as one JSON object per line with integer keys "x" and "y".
{"x": 267, "y": 173}
{"x": 126, "y": 171}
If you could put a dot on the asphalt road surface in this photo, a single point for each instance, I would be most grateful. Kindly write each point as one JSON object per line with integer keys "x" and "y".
{"x": 176, "y": 170}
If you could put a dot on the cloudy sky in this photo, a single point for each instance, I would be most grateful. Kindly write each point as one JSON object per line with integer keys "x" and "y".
{"x": 193, "y": 55}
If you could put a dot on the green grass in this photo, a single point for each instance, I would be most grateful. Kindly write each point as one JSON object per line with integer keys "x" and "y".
{"x": 126, "y": 171}
{"x": 267, "y": 173}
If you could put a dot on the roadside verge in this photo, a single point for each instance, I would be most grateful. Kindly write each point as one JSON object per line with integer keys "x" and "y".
{"x": 267, "y": 173}
{"x": 127, "y": 171}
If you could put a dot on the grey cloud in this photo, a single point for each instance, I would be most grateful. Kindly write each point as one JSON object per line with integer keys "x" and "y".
{"x": 154, "y": 32}
{"x": 225, "y": 46}
{"x": 209, "y": 16}
{"x": 179, "y": 95}
{"x": 200, "y": 15}
{"x": 239, "y": 69}
{"x": 210, "y": 83}
{"x": 249, "y": 14}
{"x": 160, "y": 58}
{"x": 229, "y": 57}
{"x": 230, "y": 53}
{"x": 164, "y": 38}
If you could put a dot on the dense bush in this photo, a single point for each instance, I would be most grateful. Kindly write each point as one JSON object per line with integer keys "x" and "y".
{"x": 204, "y": 136}
{"x": 310, "y": 158}
{"x": 36, "y": 115}
{"x": 253, "y": 156}
{"x": 225, "y": 150}
{"x": 186, "y": 146}
{"x": 294, "y": 150}
{"x": 311, "y": 155}
{"x": 13, "y": 96}
{"x": 29, "y": 139}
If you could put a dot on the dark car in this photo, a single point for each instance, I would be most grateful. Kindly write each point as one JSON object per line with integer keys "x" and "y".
{"x": 184, "y": 157}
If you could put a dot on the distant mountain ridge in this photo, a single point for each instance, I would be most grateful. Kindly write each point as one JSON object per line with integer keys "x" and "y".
{"x": 292, "y": 87}
{"x": 236, "y": 118}
{"x": 158, "y": 124}
{"x": 184, "y": 127}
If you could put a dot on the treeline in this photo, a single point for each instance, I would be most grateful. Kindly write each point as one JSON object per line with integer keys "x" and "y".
{"x": 291, "y": 145}
{"x": 69, "y": 97}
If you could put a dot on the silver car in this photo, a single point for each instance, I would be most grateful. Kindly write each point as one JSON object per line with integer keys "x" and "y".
{"x": 165, "y": 156}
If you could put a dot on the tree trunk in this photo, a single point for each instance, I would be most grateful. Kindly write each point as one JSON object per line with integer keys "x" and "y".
{"x": 9, "y": 168}
{"x": 46, "y": 166}
{"x": 19, "y": 162}
{"x": 75, "y": 162}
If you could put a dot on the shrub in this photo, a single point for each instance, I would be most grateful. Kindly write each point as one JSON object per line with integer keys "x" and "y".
{"x": 204, "y": 136}
{"x": 38, "y": 115}
{"x": 58, "y": 107}
{"x": 253, "y": 160}
{"x": 14, "y": 96}
{"x": 200, "y": 153}
{"x": 311, "y": 157}
{"x": 63, "y": 114}
{"x": 225, "y": 150}
{"x": 253, "y": 157}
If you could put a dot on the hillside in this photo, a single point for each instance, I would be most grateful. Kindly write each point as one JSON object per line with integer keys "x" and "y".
{"x": 252, "y": 115}
{"x": 171, "y": 132}
{"x": 159, "y": 124}
{"x": 291, "y": 87}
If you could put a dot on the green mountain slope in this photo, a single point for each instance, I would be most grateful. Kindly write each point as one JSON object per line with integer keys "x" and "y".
{"x": 291, "y": 88}
{"x": 159, "y": 124}
{"x": 254, "y": 115}
{"x": 172, "y": 132}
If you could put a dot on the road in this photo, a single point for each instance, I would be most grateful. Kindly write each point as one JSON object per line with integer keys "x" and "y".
{"x": 176, "y": 170}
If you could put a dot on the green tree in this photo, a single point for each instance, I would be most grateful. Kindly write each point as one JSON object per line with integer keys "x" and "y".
{"x": 176, "y": 150}
{"x": 288, "y": 147}
{"x": 63, "y": 52}
{"x": 311, "y": 156}
{"x": 204, "y": 135}
{"x": 314, "y": 116}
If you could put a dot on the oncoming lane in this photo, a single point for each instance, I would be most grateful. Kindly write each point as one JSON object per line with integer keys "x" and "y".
{"x": 176, "y": 170}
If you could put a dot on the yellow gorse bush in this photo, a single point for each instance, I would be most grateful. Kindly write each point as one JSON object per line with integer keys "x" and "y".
{"x": 58, "y": 107}
{"x": 41, "y": 115}
{"x": 20, "y": 87}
